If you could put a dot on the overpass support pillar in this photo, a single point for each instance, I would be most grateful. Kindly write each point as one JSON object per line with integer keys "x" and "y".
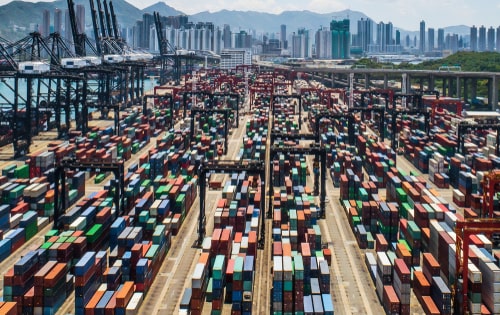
{"x": 458, "y": 88}
{"x": 493, "y": 92}
{"x": 333, "y": 80}
{"x": 432, "y": 83}
{"x": 367, "y": 81}
{"x": 466, "y": 89}
{"x": 446, "y": 87}
{"x": 473, "y": 88}
{"x": 385, "y": 82}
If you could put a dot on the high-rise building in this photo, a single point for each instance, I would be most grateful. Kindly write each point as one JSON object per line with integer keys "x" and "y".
{"x": 473, "y": 38}
{"x": 407, "y": 41}
{"x": 58, "y": 21}
{"x": 365, "y": 34}
{"x": 430, "y": 41}
{"x": 422, "y": 37}
{"x": 283, "y": 41}
{"x": 452, "y": 42}
{"x": 491, "y": 39}
{"x": 68, "y": 33}
{"x": 323, "y": 43}
{"x": 305, "y": 43}
{"x": 481, "y": 43}
{"x": 384, "y": 41}
{"x": 147, "y": 24}
{"x": 398, "y": 38}
{"x": 242, "y": 40}
{"x": 440, "y": 42}
{"x": 498, "y": 39}
{"x": 45, "y": 29}
{"x": 80, "y": 18}
{"x": 226, "y": 36}
{"x": 341, "y": 39}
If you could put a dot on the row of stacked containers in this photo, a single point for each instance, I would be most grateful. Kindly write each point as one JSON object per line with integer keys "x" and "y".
{"x": 408, "y": 229}
{"x": 226, "y": 268}
{"x": 301, "y": 265}
{"x": 106, "y": 261}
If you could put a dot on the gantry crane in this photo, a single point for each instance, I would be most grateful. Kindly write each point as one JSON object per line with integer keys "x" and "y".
{"x": 463, "y": 230}
{"x": 491, "y": 187}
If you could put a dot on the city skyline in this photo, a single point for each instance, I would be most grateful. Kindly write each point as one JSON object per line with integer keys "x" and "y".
{"x": 404, "y": 14}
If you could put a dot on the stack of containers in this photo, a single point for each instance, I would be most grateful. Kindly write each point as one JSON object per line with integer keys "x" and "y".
{"x": 490, "y": 288}
{"x": 441, "y": 295}
{"x": 218, "y": 282}
{"x": 199, "y": 283}
{"x": 474, "y": 289}
{"x": 384, "y": 274}
{"x": 413, "y": 236}
{"x": 402, "y": 285}
{"x": 436, "y": 167}
{"x": 86, "y": 280}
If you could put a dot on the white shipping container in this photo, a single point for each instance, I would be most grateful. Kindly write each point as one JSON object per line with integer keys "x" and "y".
{"x": 486, "y": 242}
{"x": 383, "y": 263}
{"x": 135, "y": 303}
{"x": 244, "y": 244}
{"x": 42, "y": 222}
{"x": 79, "y": 224}
{"x": 198, "y": 278}
{"x": 370, "y": 259}
{"x": 15, "y": 220}
{"x": 206, "y": 244}
{"x": 278, "y": 268}
{"x": 474, "y": 274}
{"x": 287, "y": 268}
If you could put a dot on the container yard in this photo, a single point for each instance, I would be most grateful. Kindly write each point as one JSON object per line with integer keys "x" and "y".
{"x": 284, "y": 201}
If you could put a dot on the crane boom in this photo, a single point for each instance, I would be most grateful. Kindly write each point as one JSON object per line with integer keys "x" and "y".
{"x": 96, "y": 27}
{"x": 108, "y": 18}
{"x": 101, "y": 19}
{"x": 113, "y": 17}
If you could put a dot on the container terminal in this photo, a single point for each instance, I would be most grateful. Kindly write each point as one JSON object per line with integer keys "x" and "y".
{"x": 306, "y": 206}
{"x": 260, "y": 190}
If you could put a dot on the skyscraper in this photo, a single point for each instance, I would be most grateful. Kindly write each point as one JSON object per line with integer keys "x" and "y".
{"x": 148, "y": 22}
{"x": 498, "y": 39}
{"x": 473, "y": 38}
{"x": 68, "y": 35}
{"x": 58, "y": 21}
{"x": 440, "y": 42}
{"x": 305, "y": 45}
{"x": 422, "y": 37}
{"x": 491, "y": 39}
{"x": 365, "y": 33}
{"x": 283, "y": 41}
{"x": 323, "y": 43}
{"x": 430, "y": 42}
{"x": 45, "y": 29}
{"x": 80, "y": 18}
{"x": 481, "y": 43}
{"x": 226, "y": 36}
{"x": 296, "y": 46}
{"x": 341, "y": 39}
{"x": 385, "y": 40}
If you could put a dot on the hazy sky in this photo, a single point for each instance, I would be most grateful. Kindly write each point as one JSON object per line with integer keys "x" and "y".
{"x": 406, "y": 14}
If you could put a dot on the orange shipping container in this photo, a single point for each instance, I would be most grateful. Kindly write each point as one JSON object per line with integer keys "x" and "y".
{"x": 125, "y": 294}
{"x": 55, "y": 275}
{"x": 90, "y": 307}
{"x": 8, "y": 308}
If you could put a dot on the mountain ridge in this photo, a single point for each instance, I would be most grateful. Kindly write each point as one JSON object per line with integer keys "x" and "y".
{"x": 18, "y": 15}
